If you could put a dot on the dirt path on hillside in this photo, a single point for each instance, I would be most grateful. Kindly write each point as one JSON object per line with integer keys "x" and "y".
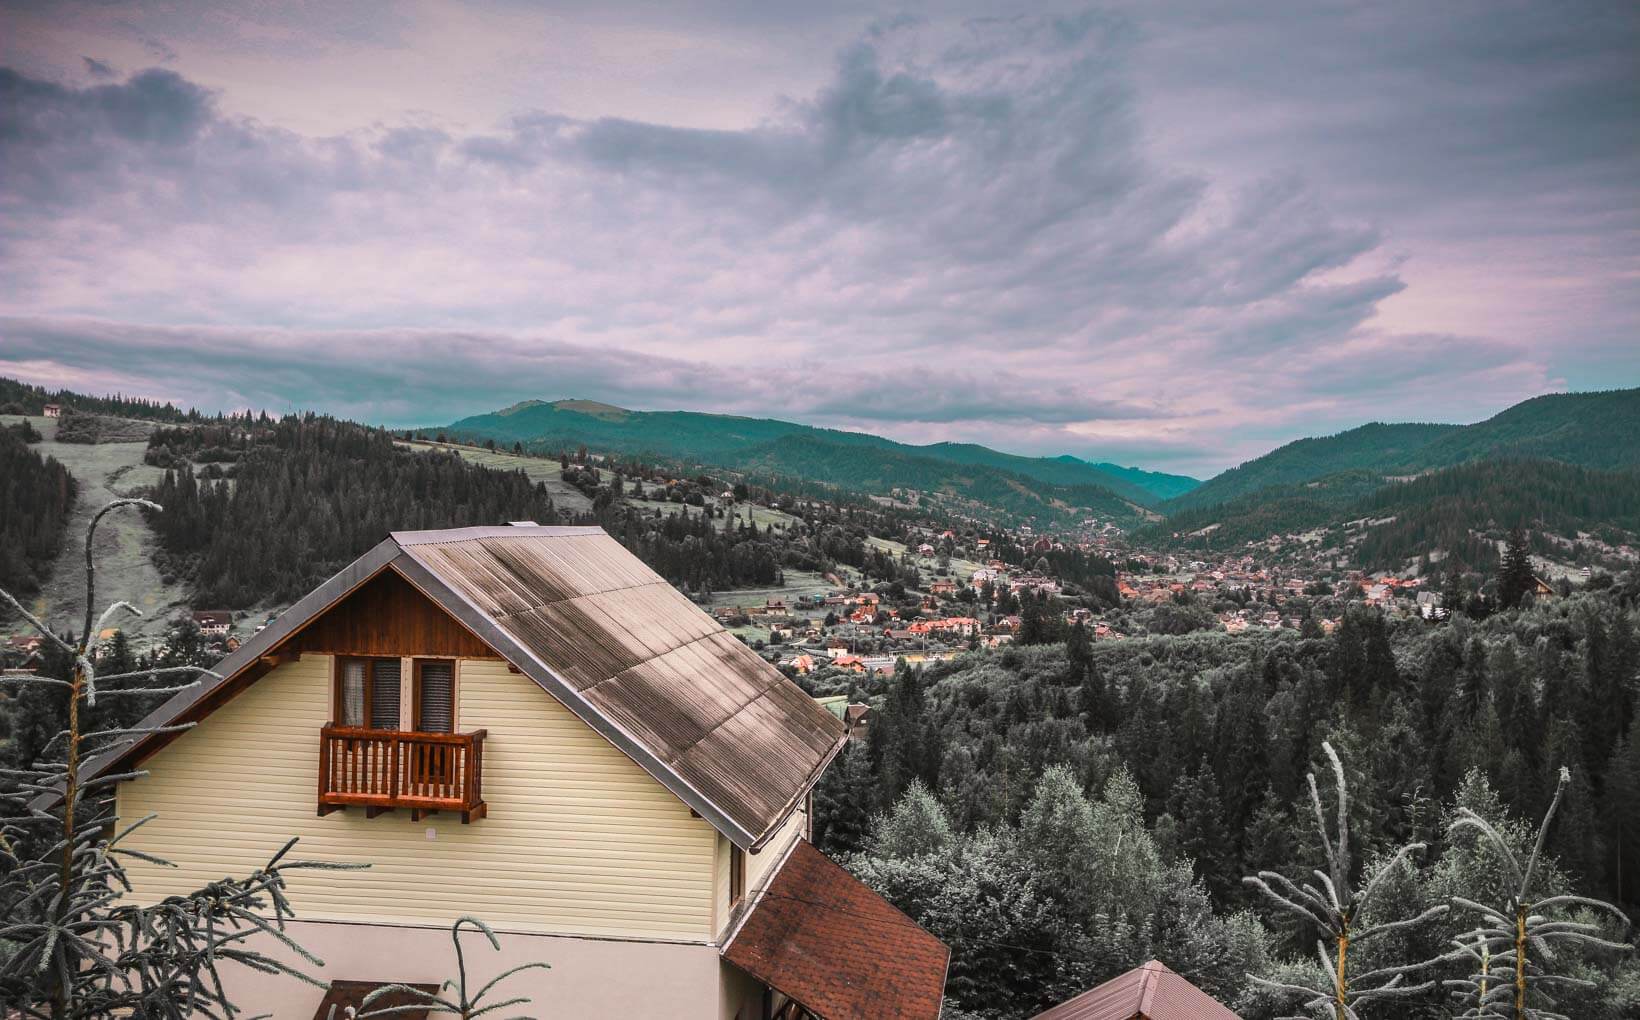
{"x": 125, "y": 546}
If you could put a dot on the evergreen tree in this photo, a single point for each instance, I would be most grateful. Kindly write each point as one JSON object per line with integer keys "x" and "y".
{"x": 842, "y": 802}
{"x": 1343, "y": 914}
{"x": 1520, "y": 973}
{"x": 1515, "y": 579}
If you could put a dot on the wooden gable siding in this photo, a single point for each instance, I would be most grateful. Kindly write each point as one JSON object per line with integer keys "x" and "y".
{"x": 579, "y": 839}
{"x": 387, "y": 615}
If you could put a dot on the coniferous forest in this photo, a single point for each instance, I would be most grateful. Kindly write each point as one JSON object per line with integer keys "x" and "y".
{"x": 35, "y": 503}
{"x": 1056, "y": 812}
{"x": 258, "y": 511}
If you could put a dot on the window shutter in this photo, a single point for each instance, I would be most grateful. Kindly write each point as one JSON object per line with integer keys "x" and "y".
{"x": 384, "y": 694}
{"x": 352, "y": 693}
{"x": 437, "y": 697}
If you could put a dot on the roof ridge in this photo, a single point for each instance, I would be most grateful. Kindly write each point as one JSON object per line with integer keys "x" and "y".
{"x": 1148, "y": 982}
{"x": 438, "y": 536}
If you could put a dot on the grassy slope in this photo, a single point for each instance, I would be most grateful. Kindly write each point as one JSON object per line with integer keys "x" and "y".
{"x": 125, "y": 568}
{"x": 538, "y": 469}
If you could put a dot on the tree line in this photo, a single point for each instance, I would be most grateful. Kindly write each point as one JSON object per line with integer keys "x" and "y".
{"x": 35, "y": 503}
{"x": 1197, "y": 748}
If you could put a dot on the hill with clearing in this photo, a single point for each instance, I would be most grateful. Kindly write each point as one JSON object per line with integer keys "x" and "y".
{"x": 851, "y": 460}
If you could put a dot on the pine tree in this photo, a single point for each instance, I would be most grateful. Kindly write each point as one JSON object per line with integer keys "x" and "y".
{"x": 1195, "y": 802}
{"x": 1515, "y": 578}
{"x": 842, "y": 802}
{"x": 1518, "y": 932}
{"x": 1340, "y": 913}
{"x": 1621, "y": 815}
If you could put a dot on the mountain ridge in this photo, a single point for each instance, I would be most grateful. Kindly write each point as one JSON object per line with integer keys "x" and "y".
{"x": 1595, "y": 429}
{"x": 726, "y": 440}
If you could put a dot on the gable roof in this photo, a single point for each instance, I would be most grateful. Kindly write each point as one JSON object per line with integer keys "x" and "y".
{"x": 821, "y": 936}
{"x": 1150, "y": 992}
{"x": 621, "y": 648}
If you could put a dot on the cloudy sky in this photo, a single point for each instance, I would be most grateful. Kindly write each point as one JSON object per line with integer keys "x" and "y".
{"x": 1172, "y": 234}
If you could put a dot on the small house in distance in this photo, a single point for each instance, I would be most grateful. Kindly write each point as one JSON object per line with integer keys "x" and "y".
{"x": 52, "y": 410}
{"x": 213, "y": 623}
{"x": 1150, "y": 992}
{"x": 528, "y": 725}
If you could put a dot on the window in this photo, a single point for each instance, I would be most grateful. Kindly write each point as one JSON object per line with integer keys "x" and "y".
{"x": 369, "y": 693}
{"x": 737, "y": 875}
{"x": 435, "y": 696}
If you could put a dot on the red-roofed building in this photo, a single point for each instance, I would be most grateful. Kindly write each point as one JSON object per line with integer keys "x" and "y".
{"x": 1151, "y": 992}
{"x": 828, "y": 947}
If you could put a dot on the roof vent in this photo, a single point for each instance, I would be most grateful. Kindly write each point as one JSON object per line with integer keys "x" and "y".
{"x": 522, "y": 524}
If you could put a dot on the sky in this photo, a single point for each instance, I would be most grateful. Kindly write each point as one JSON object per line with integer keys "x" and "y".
{"x": 1171, "y": 234}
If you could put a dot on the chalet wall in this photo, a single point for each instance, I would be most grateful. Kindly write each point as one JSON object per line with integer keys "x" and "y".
{"x": 759, "y": 866}
{"x": 579, "y": 839}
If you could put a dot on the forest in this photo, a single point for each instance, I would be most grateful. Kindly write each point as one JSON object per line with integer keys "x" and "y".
{"x": 277, "y": 506}
{"x": 35, "y": 503}
{"x": 23, "y": 398}
{"x": 1059, "y": 811}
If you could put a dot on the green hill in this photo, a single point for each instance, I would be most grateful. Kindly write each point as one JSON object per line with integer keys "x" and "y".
{"x": 1598, "y": 430}
{"x": 1374, "y": 447}
{"x": 853, "y": 460}
{"x": 1386, "y": 523}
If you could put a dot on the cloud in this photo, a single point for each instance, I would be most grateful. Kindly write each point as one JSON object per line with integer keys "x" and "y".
{"x": 98, "y": 69}
{"x": 962, "y": 234}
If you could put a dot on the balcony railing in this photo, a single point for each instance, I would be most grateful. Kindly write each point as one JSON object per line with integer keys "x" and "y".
{"x": 380, "y": 770}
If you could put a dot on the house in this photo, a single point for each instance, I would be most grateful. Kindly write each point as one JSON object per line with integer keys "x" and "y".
{"x": 52, "y": 410}
{"x": 1150, "y": 992}
{"x": 213, "y": 623}
{"x": 26, "y": 645}
{"x": 528, "y": 725}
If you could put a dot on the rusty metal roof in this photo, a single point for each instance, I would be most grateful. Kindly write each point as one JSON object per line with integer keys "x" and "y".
{"x": 1150, "y": 992}
{"x": 585, "y": 619}
{"x": 638, "y": 661}
{"x": 820, "y": 936}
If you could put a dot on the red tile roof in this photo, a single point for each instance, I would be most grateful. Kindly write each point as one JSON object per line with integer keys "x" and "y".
{"x": 822, "y": 937}
{"x": 1151, "y": 992}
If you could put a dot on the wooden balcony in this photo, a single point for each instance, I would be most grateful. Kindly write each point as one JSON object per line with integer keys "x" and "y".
{"x": 380, "y": 770}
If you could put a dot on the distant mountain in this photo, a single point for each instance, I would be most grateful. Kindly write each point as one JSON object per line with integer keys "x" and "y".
{"x": 1598, "y": 430}
{"x": 854, "y": 460}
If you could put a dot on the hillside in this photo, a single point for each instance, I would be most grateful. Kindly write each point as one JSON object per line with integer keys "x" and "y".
{"x": 1374, "y": 447}
{"x": 969, "y": 488}
{"x": 1598, "y": 430}
{"x": 125, "y": 545}
{"x": 1456, "y": 511}
{"x": 733, "y": 442}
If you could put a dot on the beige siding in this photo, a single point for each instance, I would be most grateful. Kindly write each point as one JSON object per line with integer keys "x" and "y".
{"x": 759, "y": 866}
{"x": 578, "y": 840}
